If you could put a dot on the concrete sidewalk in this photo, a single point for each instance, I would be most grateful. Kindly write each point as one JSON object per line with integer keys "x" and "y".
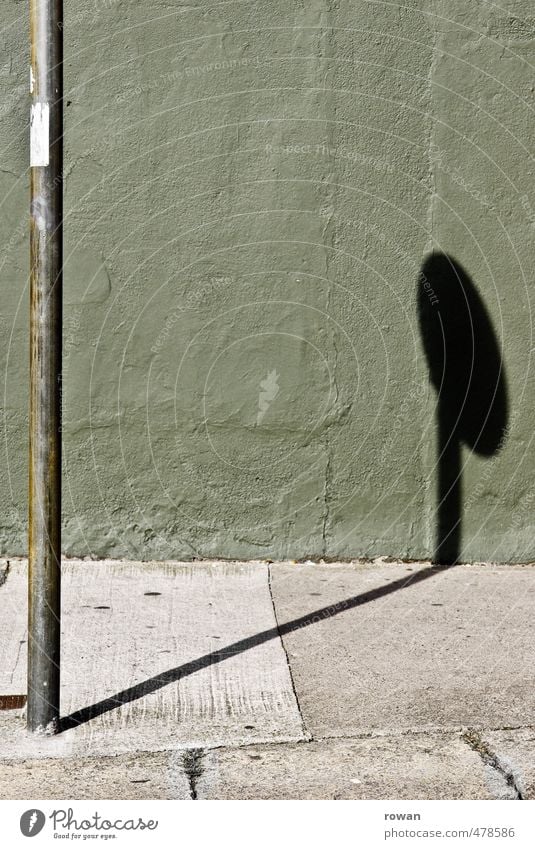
{"x": 249, "y": 680}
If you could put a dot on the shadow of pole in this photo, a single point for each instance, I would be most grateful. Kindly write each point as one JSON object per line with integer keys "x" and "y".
{"x": 466, "y": 369}
{"x": 449, "y": 490}
{"x": 151, "y": 685}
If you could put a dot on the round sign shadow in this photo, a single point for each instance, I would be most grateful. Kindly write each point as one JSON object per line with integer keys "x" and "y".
{"x": 463, "y": 354}
{"x": 466, "y": 368}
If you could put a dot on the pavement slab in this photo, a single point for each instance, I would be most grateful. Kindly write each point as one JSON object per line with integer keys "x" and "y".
{"x": 403, "y": 767}
{"x": 154, "y": 656}
{"x": 395, "y": 647}
{"x": 143, "y": 775}
{"x": 422, "y": 766}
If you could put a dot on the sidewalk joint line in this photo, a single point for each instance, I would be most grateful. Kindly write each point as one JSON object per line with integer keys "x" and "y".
{"x": 5, "y": 573}
{"x": 476, "y": 742}
{"x": 306, "y": 734}
{"x": 192, "y": 761}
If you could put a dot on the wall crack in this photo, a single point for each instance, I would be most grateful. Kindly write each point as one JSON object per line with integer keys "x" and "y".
{"x": 430, "y": 141}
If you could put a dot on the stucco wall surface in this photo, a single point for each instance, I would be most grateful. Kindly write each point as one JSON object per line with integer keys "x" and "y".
{"x": 251, "y": 189}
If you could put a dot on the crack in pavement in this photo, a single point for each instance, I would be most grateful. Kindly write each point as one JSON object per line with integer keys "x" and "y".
{"x": 474, "y": 739}
{"x": 307, "y": 736}
{"x": 192, "y": 761}
{"x": 4, "y": 573}
{"x": 374, "y": 734}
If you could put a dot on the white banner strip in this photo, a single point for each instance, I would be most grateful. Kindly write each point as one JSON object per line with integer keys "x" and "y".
{"x": 271, "y": 825}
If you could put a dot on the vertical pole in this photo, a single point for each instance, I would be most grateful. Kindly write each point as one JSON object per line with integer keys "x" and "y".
{"x": 46, "y": 260}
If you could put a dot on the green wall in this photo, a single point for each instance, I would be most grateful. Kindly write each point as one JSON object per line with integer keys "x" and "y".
{"x": 250, "y": 191}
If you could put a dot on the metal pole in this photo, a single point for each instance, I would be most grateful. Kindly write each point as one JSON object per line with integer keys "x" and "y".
{"x": 46, "y": 164}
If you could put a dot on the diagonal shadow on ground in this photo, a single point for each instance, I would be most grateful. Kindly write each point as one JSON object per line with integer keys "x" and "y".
{"x": 151, "y": 685}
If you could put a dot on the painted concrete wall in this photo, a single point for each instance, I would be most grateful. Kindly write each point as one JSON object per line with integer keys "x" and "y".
{"x": 251, "y": 189}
